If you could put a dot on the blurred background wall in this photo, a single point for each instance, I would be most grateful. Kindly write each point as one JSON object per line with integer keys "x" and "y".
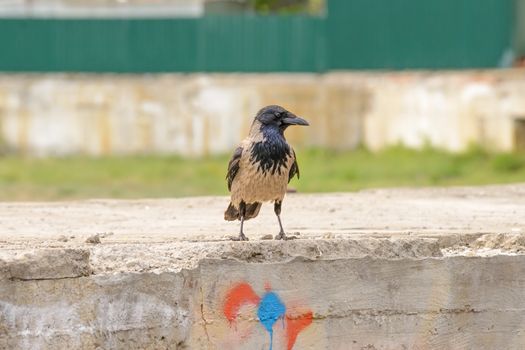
{"x": 187, "y": 76}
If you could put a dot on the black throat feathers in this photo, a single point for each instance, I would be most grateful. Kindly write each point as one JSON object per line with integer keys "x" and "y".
{"x": 272, "y": 153}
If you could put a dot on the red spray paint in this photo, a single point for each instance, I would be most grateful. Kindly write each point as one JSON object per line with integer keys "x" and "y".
{"x": 294, "y": 325}
{"x": 239, "y": 295}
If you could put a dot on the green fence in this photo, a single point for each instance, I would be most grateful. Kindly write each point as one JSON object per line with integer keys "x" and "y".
{"x": 355, "y": 34}
{"x": 163, "y": 45}
{"x": 420, "y": 33}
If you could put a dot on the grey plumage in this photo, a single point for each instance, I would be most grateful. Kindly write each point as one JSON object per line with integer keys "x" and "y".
{"x": 262, "y": 166}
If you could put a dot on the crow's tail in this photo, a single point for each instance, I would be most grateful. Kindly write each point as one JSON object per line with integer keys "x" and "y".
{"x": 232, "y": 213}
{"x": 252, "y": 210}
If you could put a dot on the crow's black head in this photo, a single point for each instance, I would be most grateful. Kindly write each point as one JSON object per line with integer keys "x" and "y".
{"x": 278, "y": 117}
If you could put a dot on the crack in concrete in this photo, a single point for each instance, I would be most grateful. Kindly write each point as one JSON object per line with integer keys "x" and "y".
{"x": 82, "y": 329}
{"x": 18, "y": 279}
{"x": 388, "y": 312}
{"x": 204, "y": 321}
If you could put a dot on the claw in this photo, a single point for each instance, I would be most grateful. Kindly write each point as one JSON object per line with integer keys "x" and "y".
{"x": 241, "y": 237}
{"x": 280, "y": 236}
{"x": 284, "y": 237}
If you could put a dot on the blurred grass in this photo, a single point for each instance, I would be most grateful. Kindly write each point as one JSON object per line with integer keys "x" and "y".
{"x": 321, "y": 171}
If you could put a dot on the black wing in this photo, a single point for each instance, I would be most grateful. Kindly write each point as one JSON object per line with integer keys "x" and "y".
{"x": 233, "y": 166}
{"x": 294, "y": 169}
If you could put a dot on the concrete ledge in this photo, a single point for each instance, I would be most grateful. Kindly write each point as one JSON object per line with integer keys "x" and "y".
{"x": 432, "y": 303}
{"x": 385, "y": 269}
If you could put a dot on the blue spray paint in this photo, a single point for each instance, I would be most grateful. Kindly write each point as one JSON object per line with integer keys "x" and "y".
{"x": 271, "y": 308}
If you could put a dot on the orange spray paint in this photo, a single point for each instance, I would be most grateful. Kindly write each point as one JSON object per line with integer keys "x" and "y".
{"x": 241, "y": 294}
{"x": 294, "y": 325}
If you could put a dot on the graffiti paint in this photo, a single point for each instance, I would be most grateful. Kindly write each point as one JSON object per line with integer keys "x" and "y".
{"x": 294, "y": 325}
{"x": 239, "y": 295}
{"x": 270, "y": 309}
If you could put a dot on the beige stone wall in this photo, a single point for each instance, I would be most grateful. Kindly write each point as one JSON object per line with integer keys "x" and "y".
{"x": 200, "y": 114}
{"x": 447, "y": 110}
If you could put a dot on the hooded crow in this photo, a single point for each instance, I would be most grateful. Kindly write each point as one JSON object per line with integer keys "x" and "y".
{"x": 261, "y": 167}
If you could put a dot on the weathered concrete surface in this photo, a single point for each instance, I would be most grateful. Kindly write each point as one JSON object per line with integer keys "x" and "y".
{"x": 382, "y": 269}
{"x": 199, "y": 114}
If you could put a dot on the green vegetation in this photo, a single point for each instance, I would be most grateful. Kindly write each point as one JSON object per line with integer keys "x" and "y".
{"x": 321, "y": 171}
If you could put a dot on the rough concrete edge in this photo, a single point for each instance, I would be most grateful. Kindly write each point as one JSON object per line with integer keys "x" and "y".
{"x": 47, "y": 264}
{"x": 67, "y": 262}
{"x": 212, "y": 262}
{"x": 58, "y": 263}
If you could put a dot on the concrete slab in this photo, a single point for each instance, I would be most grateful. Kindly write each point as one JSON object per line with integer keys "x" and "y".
{"x": 383, "y": 269}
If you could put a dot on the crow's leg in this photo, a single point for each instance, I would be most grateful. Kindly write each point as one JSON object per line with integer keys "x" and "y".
{"x": 242, "y": 213}
{"x": 277, "y": 210}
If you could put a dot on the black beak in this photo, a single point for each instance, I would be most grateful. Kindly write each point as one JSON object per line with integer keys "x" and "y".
{"x": 294, "y": 120}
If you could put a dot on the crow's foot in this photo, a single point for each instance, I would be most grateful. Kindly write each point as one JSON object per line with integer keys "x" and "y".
{"x": 241, "y": 237}
{"x": 284, "y": 237}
